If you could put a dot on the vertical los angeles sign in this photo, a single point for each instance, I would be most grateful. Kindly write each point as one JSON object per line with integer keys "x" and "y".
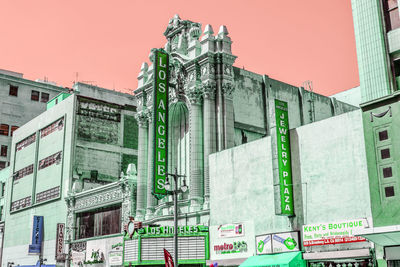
{"x": 160, "y": 108}
{"x": 284, "y": 163}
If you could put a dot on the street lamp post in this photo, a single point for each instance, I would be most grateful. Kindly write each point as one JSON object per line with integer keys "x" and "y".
{"x": 174, "y": 193}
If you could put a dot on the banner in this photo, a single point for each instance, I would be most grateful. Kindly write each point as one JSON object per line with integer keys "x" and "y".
{"x": 60, "y": 256}
{"x": 37, "y": 235}
{"x": 284, "y": 163}
{"x": 169, "y": 262}
{"x": 160, "y": 110}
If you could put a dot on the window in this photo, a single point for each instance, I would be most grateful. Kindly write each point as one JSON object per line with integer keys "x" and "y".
{"x": 13, "y": 128}
{"x": 383, "y": 135}
{"x": 387, "y": 172}
{"x": 45, "y": 98}
{"x": 2, "y": 164}
{"x": 35, "y": 95}
{"x": 4, "y": 129}
{"x": 21, "y": 203}
{"x": 385, "y": 153}
{"x": 389, "y": 191}
{"x": 26, "y": 142}
{"x": 391, "y": 14}
{"x": 23, "y": 172}
{"x": 2, "y": 189}
{"x": 50, "y": 160}
{"x": 57, "y": 125}
{"x": 104, "y": 221}
{"x": 3, "y": 152}
{"x": 13, "y": 90}
{"x": 48, "y": 194}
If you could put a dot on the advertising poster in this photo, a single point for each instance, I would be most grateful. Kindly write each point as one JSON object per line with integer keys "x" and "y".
{"x": 231, "y": 230}
{"x": 333, "y": 232}
{"x": 277, "y": 243}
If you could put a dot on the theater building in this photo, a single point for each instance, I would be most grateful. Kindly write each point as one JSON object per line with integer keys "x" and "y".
{"x": 229, "y": 131}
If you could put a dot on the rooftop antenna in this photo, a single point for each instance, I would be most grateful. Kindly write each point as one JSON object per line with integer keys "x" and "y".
{"x": 308, "y": 86}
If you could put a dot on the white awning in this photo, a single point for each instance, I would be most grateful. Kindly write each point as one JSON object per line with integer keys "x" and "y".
{"x": 384, "y": 236}
{"x": 340, "y": 254}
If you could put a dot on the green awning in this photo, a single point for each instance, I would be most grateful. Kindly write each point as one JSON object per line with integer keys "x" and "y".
{"x": 289, "y": 259}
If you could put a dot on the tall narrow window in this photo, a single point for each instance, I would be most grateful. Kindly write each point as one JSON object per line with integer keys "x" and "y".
{"x": 385, "y": 153}
{"x": 13, "y": 128}
{"x": 391, "y": 13}
{"x": 4, "y": 128}
{"x": 13, "y": 90}
{"x": 2, "y": 164}
{"x": 35, "y": 95}
{"x": 3, "y": 151}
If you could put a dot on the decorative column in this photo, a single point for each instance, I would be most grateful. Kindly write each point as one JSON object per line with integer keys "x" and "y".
{"x": 151, "y": 200}
{"x": 196, "y": 192}
{"x": 229, "y": 120}
{"x": 210, "y": 141}
{"x": 142, "y": 165}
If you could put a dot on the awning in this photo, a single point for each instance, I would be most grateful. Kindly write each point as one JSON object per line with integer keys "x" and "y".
{"x": 384, "y": 236}
{"x": 340, "y": 254}
{"x": 283, "y": 259}
{"x": 227, "y": 262}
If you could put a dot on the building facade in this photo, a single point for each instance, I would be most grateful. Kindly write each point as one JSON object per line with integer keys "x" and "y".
{"x": 215, "y": 109}
{"x": 21, "y": 101}
{"x": 377, "y": 29}
{"x": 77, "y": 145}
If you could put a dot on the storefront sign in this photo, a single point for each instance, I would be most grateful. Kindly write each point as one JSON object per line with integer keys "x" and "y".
{"x": 60, "y": 242}
{"x": 231, "y": 230}
{"x": 285, "y": 242}
{"x": 277, "y": 243}
{"x": 169, "y": 230}
{"x": 37, "y": 235}
{"x": 160, "y": 108}
{"x": 115, "y": 257}
{"x": 284, "y": 163}
{"x": 231, "y": 247}
{"x": 333, "y": 233}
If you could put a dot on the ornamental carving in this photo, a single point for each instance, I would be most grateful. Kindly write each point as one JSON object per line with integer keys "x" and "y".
{"x": 194, "y": 95}
{"x": 100, "y": 199}
{"x": 227, "y": 89}
{"x": 209, "y": 88}
{"x": 141, "y": 118}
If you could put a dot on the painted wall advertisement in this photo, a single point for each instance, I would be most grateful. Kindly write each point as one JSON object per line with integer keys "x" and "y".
{"x": 230, "y": 241}
{"x": 277, "y": 243}
{"x": 333, "y": 233}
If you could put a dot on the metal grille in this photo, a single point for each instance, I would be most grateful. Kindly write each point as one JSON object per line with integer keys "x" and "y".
{"x": 188, "y": 248}
{"x": 131, "y": 250}
{"x": 48, "y": 194}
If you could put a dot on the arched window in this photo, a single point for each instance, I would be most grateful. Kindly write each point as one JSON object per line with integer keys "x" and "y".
{"x": 178, "y": 139}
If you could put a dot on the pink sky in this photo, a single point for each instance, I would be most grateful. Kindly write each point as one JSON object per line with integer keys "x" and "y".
{"x": 107, "y": 41}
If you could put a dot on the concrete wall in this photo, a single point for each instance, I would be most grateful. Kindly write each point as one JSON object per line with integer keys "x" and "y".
{"x": 329, "y": 176}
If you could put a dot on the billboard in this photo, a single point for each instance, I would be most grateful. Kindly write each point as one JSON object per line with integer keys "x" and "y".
{"x": 160, "y": 116}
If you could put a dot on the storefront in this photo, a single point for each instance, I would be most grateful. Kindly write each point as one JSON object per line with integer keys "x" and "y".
{"x": 145, "y": 246}
{"x": 335, "y": 244}
{"x": 387, "y": 243}
{"x": 279, "y": 249}
{"x": 231, "y": 244}
{"x": 98, "y": 252}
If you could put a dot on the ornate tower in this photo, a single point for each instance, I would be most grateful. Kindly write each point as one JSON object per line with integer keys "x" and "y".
{"x": 201, "y": 113}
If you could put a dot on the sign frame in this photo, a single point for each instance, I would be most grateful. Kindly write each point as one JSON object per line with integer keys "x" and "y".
{"x": 284, "y": 158}
{"x": 160, "y": 120}
{"x": 298, "y": 243}
{"x": 60, "y": 255}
